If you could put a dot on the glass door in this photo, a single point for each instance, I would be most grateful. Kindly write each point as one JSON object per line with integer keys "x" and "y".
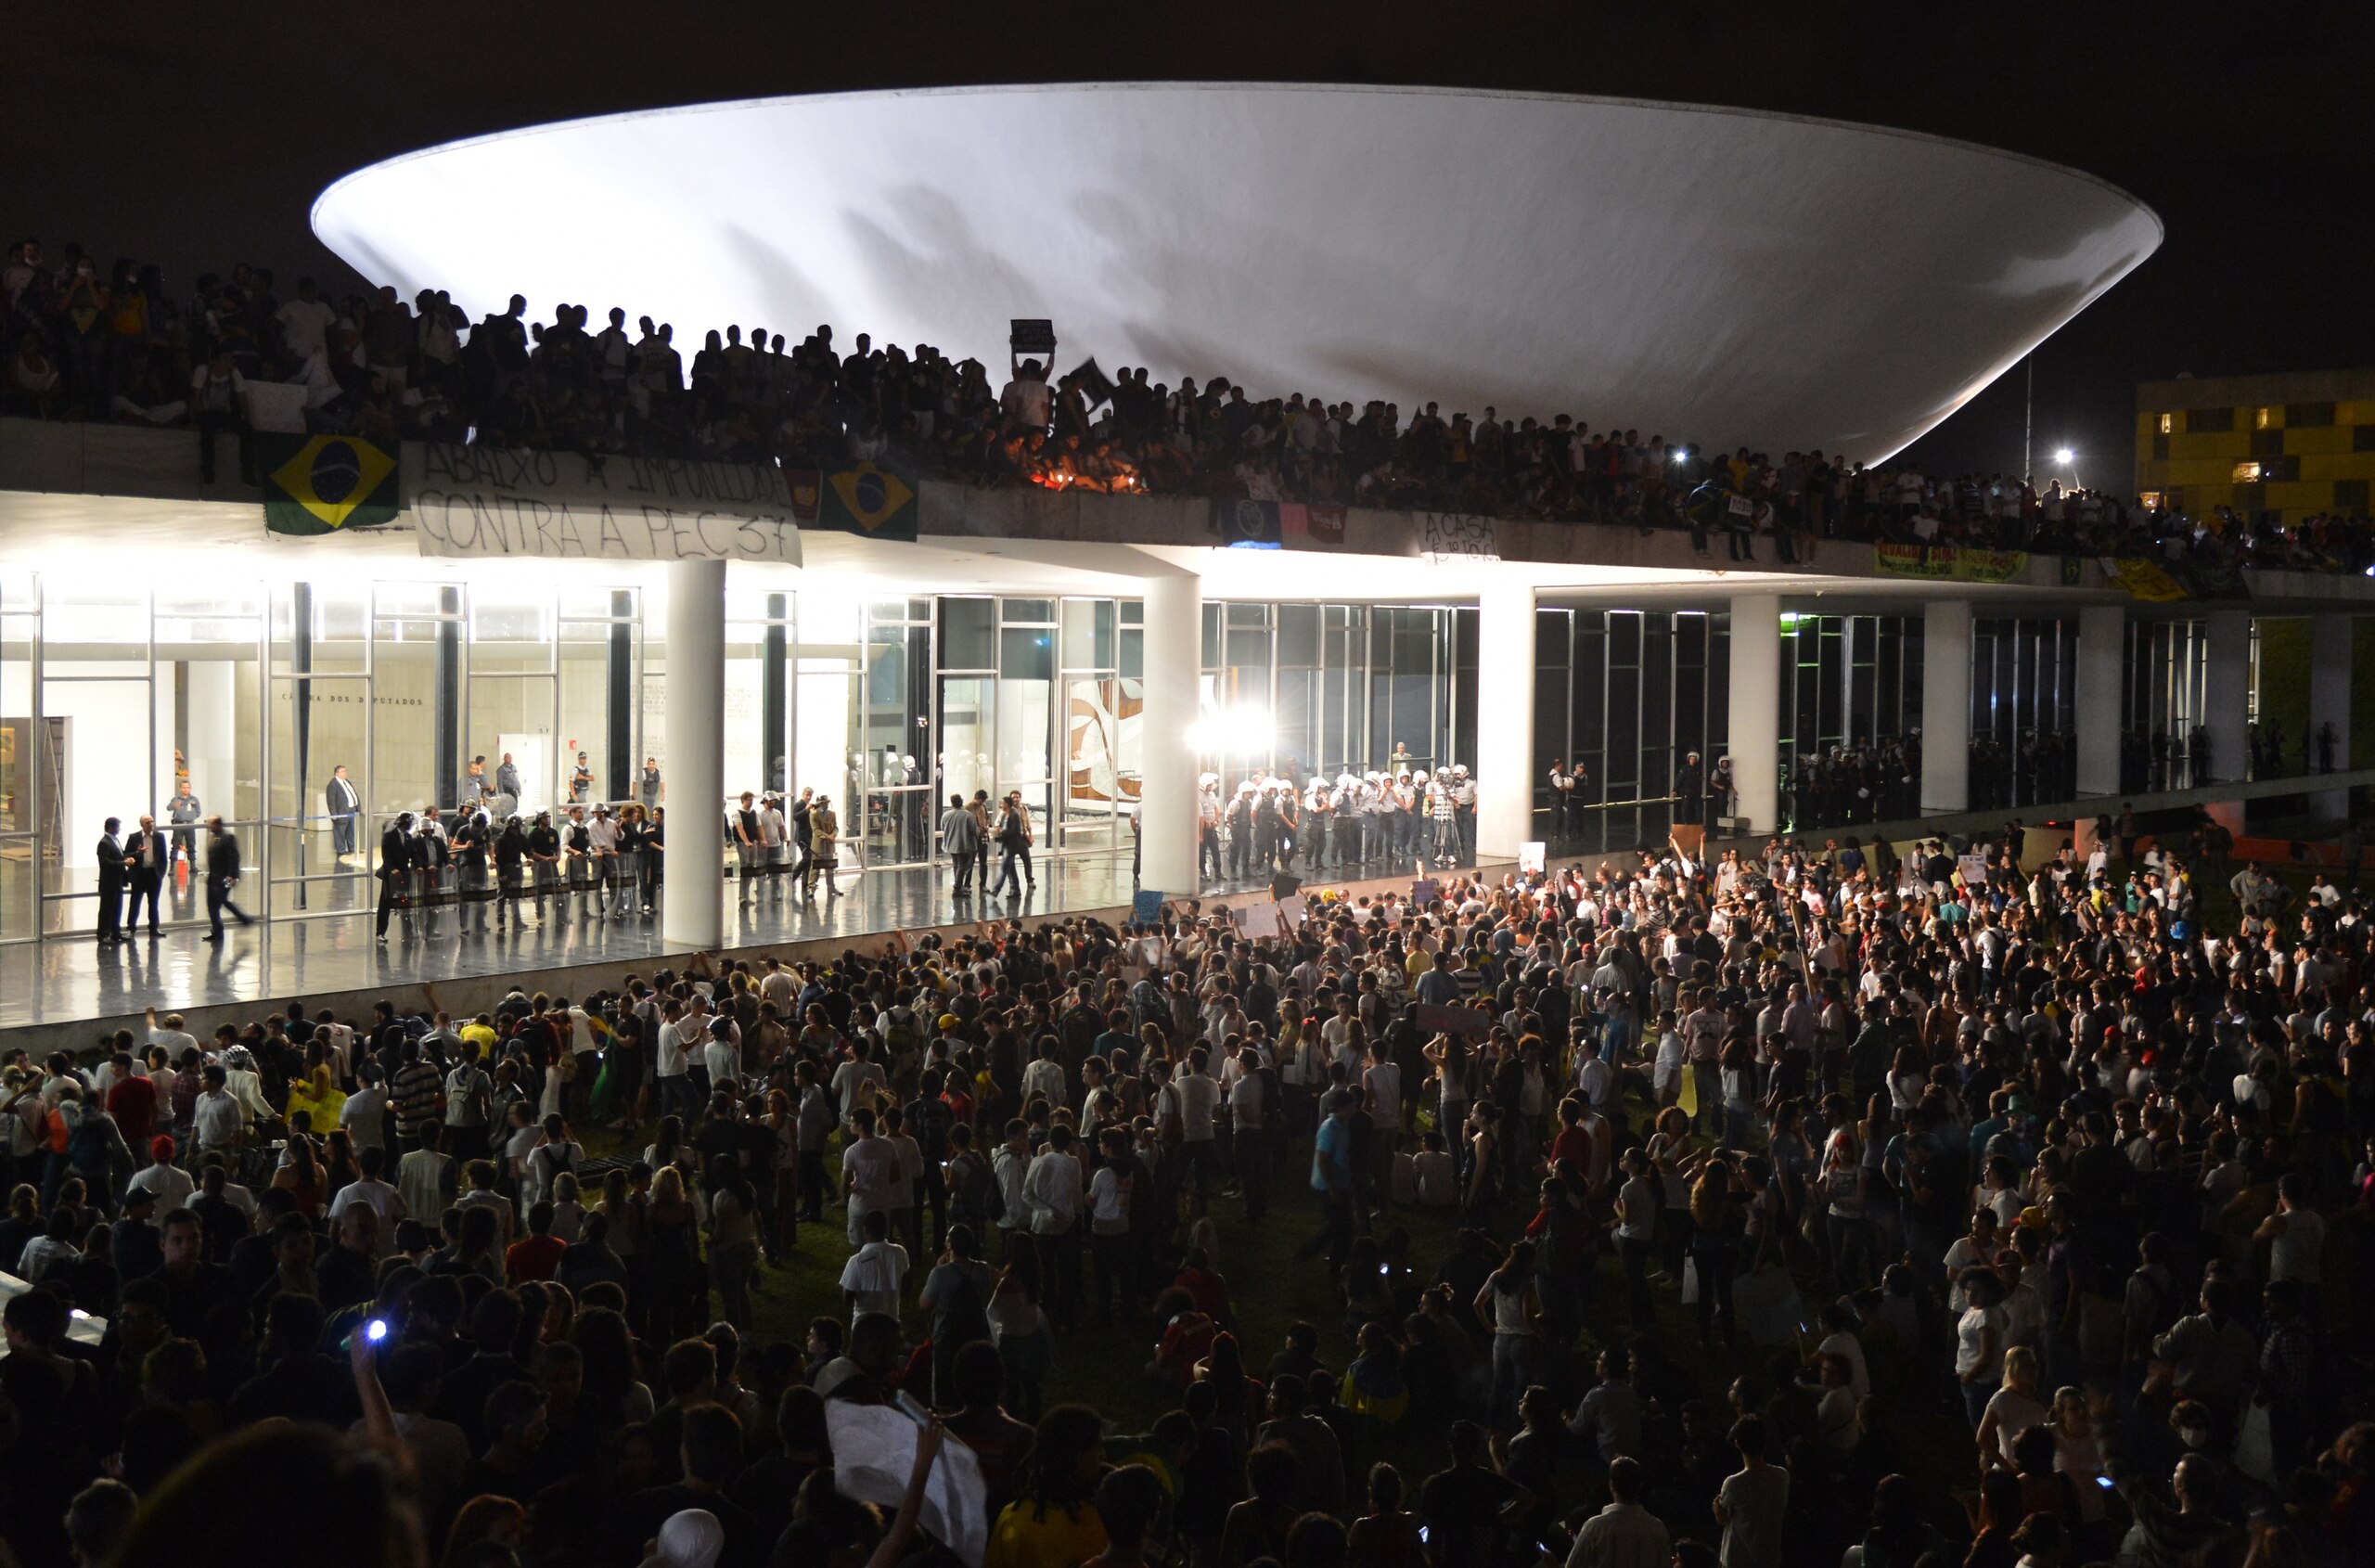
{"x": 512, "y": 714}
{"x": 210, "y": 654}
{"x": 317, "y": 721}
{"x": 1026, "y": 711}
{"x": 895, "y": 778}
{"x": 93, "y": 735}
{"x": 1095, "y": 798}
{"x": 601, "y": 648}
{"x": 20, "y": 801}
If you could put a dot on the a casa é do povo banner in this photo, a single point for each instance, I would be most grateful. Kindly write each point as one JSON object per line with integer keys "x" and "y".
{"x": 1949, "y": 564}
{"x": 483, "y": 502}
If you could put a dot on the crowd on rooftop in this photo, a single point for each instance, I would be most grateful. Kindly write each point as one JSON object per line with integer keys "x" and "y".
{"x": 92, "y": 340}
{"x": 1802, "y": 1209}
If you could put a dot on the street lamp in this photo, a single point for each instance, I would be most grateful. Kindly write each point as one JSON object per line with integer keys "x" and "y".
{"x": 2062, "y": 454}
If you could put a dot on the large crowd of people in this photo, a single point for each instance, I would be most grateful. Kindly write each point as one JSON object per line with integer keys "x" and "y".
{"x": 93, "y": 340}
{"x": 1796, "y": 1209}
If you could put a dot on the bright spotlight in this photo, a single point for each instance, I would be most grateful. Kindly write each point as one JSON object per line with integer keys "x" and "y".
{"x": 2062, "y": 454}
{"x": 1239, "y": 731}
{"x": 1681, "y": 454}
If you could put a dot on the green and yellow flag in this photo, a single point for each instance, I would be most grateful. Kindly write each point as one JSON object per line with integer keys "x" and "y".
{"x": 2143, "y": 580}
{"x": 321, "y": 483}
{"x": 868, "y": 500}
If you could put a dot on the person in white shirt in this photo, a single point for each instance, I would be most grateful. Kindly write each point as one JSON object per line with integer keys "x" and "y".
{"x": 871, "y": 1173}
{"x": 1249, "y": 1144}
{"x": 553, "y": 1155}
{"x": 905, "y": 1217}
{"x": 1011, "y": 1166}
{"x": 1052, "y": 1187}
{"x": 857, "y": 1081}
{"x": 779, "y": 986}
{"x": 171, "y": 1185}
{"x": 1382, "y": 1079}
{"x": 369, "y": 1189}
{"x": 1625, "y": 1533}
{"x": 218, "y": 1119}
{"x": 169, "y": 1034}
{"x": 1043, "y": 1079}
{"x": 1025, "y": 398}
{"x": 1108, "y": 1223}
{"x": 1194, "y": 1096}
{"x": 305, "y": 321}
{"x": 1435, "y": 1176}
{"x": 365, "y": 1114}
{"x": 774, "y": 836}
{"x": 721, "y": 1058}
{"x": 875, "y": 1278}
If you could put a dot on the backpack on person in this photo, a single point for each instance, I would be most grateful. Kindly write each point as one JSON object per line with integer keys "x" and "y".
{"x": 86, "y": 1142}
{"x": 963, "y": 1315}
{"x": 554, "y": 1159}
{"x": 975, "y": 1197}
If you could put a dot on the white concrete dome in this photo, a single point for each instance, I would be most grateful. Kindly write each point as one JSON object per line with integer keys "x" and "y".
{"x": 1708, "y": 275}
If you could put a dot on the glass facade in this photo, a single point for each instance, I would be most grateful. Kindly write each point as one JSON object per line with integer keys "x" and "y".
{"x": 249, "y": 698}
{"x": 1299, "y": 689}
{"x": 2024, "y": 711}
{"x": 1850, "y": 694}
{"x": 2166, "y": 678}
{"x": 1623, "y": 696}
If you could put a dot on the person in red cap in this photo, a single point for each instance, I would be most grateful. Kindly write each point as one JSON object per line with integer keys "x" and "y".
{"x": 171, "y": 1185}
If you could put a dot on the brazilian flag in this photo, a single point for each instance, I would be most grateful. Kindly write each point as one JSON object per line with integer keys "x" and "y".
{"x": 868, "y": 500}
{"x": 321, "y": 483}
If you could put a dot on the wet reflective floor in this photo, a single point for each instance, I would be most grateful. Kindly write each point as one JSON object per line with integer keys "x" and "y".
{"x": 69, "y": 978}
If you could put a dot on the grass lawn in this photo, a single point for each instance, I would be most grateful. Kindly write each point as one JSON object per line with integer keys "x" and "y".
{"x": 1270, "y": 1289}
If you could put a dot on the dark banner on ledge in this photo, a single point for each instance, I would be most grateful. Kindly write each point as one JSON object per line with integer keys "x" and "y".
{"x": 1272, "y": 525}
{"x": 864, "y": 499}
{"x": 2153, "y": 582}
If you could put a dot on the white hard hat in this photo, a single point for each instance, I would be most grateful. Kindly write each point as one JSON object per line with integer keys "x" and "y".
{"x": 1206, "y": 781}
{"x": 1420, "y": 776}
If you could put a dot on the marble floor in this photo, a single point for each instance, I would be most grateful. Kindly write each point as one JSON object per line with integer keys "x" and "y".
{"x": 71, "y": 978}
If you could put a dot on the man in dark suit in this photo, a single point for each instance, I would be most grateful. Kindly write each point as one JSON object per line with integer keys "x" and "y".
{"x": 111, "y": 853}
{"x": 342, "y": 801}
{"x": 395, "y": 870}
{"x": 222, "y": 875}
{"x": 145, "y": 859}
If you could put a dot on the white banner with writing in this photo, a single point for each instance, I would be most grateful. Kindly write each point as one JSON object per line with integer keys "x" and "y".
{"x": 478, "y": 502}
{"x": 1456, "y": 537}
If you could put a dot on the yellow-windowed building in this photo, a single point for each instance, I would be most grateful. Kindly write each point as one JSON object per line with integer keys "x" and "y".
{"x": 2296, "y": 444}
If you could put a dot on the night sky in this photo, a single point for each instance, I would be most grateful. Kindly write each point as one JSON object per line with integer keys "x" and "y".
{"x": 196, "y": 137}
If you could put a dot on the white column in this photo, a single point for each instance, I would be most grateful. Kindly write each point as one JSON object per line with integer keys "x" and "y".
{"x": 2226, "y": 692}
{"x": 2102, "y": 667}
{"x": 1173, "y": 660}
{"x": 1945, "y": 705}
{"x": 1755, "y": 725}
{"x": 2331, "y": 650}
{"x": 693, "y": 756}
{"x": 1504, "y": 720}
